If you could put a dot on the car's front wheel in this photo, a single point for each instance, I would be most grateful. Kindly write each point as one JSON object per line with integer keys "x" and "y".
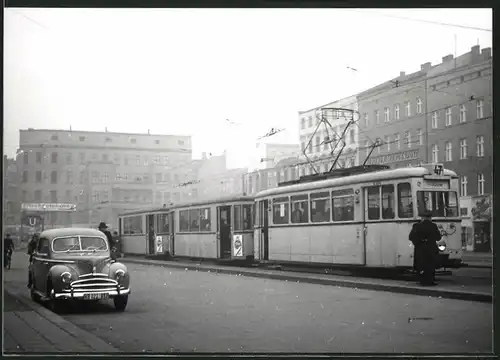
{"x": 121, "y": 302}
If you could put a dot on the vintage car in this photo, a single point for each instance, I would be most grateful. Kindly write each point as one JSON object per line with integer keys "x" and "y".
{"x": 76, "y": 264}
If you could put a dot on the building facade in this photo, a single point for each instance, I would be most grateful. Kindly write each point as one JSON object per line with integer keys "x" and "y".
{"x": 11, "y": 203}
{"x": 440, "y": 114}
{"x": 319, "y": 149}
{"x": 271, "y": 154}
{"x": 103, "y": 173}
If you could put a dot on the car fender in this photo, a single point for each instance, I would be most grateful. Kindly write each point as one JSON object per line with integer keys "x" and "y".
{"x": 119, "y": 266}
{"x": 54, "y": 275}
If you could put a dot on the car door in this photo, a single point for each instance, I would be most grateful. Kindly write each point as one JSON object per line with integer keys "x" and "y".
{"x": 41, "y": 264}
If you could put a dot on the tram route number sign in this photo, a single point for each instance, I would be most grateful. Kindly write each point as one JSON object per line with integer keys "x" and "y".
{"x": 159, "y": 244}
{"x": 238, "y": 245}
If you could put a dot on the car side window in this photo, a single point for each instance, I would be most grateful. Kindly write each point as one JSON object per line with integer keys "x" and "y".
{"x": 43, "y": 246}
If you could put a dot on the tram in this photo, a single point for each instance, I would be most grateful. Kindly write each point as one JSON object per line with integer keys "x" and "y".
{"x": 358, "y": 217}
{"x": 217, "y": 229}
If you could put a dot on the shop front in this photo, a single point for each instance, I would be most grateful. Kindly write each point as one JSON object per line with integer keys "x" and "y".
{"x": 481, "y": 223}
{"x": 397, "y": 160}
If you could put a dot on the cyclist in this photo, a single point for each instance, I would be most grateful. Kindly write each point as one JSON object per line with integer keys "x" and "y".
{"x": 8, "y": 248}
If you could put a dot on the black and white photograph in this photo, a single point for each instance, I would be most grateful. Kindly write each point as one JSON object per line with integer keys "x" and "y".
{"x": 248, "y": 181}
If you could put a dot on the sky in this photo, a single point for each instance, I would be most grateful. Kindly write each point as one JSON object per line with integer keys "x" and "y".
{"x": 185, "y": 71}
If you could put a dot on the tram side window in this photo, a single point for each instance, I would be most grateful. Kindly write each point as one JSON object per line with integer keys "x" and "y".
{"x": 388, "y": 202}
{"x": 205, "y": 223}
{"x": 320, "y": 207}
{"x": 343, "y": 205}
{"x": 237, "y": 218}
{"x": 373, "y": 203}
{"x": 248, "y": 217}
{"x": 194, "y": 220}
{"x": 162, "y": 224}
{"x": 184, "y": 220}
{"x": 405, "y": 203}
{"x": 281, "y": 210}
{"x": 300, "y": 209}
{"x": 132, "y": 225}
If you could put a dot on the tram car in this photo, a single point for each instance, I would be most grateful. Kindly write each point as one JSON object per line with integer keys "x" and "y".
{"x": 217, "y": 229}
{"x": 358, "y": 217}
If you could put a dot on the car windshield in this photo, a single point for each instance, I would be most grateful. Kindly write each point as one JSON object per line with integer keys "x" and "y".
{"x": 79, "y": 243}
{"x": 439, "y": 203}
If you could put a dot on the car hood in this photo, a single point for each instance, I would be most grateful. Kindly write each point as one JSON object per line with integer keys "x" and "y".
{"x": 87, "y": 264}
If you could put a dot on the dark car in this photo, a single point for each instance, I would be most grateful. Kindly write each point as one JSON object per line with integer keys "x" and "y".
{"x": 76, "y": 264}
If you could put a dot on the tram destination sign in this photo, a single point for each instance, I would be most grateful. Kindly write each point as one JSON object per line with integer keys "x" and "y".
{"x": 48, "y": 207}
{"x": 391, "y": 158}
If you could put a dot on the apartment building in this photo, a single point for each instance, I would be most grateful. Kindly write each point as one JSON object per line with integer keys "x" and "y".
{"x": 271, "y": 154}
{"x": 103, "y": 173}
{"x": 320, "y": 147}
{"x": 11, "y": 203}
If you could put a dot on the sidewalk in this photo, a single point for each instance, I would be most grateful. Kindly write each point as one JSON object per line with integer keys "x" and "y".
{"x": 31, "y": 328}
{"x": 479, "y": 260}
{"x": 444, "y": 290}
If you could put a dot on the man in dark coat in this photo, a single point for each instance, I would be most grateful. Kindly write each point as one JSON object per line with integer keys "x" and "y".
{"x": 424, "y": 235}
{"x": 104, "y": 228}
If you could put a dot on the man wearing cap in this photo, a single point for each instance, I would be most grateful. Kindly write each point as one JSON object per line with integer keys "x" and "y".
{"x": 424, "y": 235}
{"x": 104, "y": 228}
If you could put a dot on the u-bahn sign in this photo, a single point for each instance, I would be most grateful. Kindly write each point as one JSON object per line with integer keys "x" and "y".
{"x": 48, "y": 207}
{"x": 32, "y": 220}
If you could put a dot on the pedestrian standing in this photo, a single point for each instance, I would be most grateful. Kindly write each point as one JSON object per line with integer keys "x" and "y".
{"x": 104, "y": 228}
{"x": 424, "y": 235}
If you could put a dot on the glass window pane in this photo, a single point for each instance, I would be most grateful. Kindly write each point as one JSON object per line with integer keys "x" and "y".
{"x": 162, "y": 224}
{"x": 300, "y": 209}
{"x": 320, "y": 207}
{"x": 237, "y": 218}
{"x": 247, "y": 217}
{"x": 405, "y": 202}
{"x": 194, "y": 220}
{"x": 388, "y": 202}
{"x": 205, "y": 220}
{"x": 343, "y": 206}
{"x": 281, "y": 211}
{"x": 373, "y": 203}
{"x": 184, "y": 220}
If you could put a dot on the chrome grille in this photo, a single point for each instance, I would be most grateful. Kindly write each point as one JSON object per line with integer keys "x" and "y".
{"x": 95, "y": 283}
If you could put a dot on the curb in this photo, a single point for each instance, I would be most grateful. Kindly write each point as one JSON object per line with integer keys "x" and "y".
{"x": 402, "y": 289}
{"x": 96, "y": 344}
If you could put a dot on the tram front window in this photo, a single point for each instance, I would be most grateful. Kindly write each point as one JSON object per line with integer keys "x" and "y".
{"x": 439, "y": 203}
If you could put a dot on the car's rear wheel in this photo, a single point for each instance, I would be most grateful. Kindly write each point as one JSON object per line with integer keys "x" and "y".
{"x": 121, "y": 302}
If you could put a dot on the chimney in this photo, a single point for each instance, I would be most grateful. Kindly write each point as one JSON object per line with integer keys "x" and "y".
{"x": 425, "y": 66}
{"x": 402, "y": 73}
{"x": 486, "y": 53}
{"x": 448, "y": 58}
{"x": 475, "y": 49}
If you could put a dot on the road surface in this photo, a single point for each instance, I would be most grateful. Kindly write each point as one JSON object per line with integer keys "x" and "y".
{"x": 173, "y": 310}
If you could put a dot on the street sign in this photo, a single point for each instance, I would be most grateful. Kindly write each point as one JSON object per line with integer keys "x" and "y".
{"x": 48, "y": 207}
{"x": 32, "y": 220}
{"x": 238, "y": 245}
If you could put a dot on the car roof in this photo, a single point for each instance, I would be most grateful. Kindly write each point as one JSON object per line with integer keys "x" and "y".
{"x": 53, "y": 233}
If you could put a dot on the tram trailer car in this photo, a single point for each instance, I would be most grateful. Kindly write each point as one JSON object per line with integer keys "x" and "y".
{"x": 368, "y": 224}
{"x": 219, "y": 229}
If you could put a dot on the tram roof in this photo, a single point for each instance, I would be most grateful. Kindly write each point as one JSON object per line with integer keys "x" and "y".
{"x": 225, "y": 199}
{"x": 354, "y": 179}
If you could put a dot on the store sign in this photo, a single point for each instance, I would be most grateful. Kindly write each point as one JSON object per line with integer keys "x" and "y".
{"x": 391, "y": 158}
{"x": 48, "y": 207}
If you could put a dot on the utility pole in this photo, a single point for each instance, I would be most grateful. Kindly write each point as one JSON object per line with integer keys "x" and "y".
{"x": 426, "y": 110}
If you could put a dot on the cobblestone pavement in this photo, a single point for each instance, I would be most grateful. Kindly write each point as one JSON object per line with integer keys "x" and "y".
{"x": 174, "y": 310}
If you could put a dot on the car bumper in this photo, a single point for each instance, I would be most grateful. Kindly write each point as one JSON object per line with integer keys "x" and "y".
{"x": 79, "y": 295}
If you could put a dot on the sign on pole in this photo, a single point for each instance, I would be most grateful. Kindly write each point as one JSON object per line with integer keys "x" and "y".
{"x": 237, "y": 245}
{"x": 48, "y": 207}
{"x": 159, "y": 244}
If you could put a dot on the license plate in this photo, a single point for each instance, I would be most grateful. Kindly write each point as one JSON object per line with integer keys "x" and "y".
{"x": 96, "y": 296}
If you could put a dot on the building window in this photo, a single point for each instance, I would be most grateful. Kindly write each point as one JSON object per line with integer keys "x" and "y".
{"x": 156, "y": 159}
{"x": 463, "y": 186}
{"x": 367, "y": 121}
{"x": 387, "y": 141}
{"x": 480, "y": 184}
{"x": 310, "y": 121}
{"x": 82, "y": 158}
{"x": 435, "y": 153}
{"x": 133, "y": 141}
{"x": 138, "y": 160}
{"x": 379, "y": 145}
{"x": 54, "y": 158}
{"x": 69, "y": 158}
{"x": 105, "y": 157}
{"x": 377, "y": 117}
{"x": 53, "y": 196}
{"x": 25, "y": 176}
{"x": 53, "y": 177}
{"x": 367, "y": 145}
{"x": 447, "y": 119}
{"x": 480, "y": 146}
{"x": 54, "y": 137}
{"x": 434, "y": 123}
{"x": 479, "y": 109}
{"x": 38, "y": 157}
{"x": 352, "y": 137}
{"x": 420, "y": 137}
{"x": 69, "y": 176}
{"x": 396, "y": 112}
{"x": 159, "y": 177}
{"x": 419, "y": 105}
{"x": 105, "y": 177}
{"x": 408, "y": 108}
{"x": 408, "y": 139}
{"x": 38, "y": 176}
{"x": 448, "y": 151}
{"x": 463, "y": 113}
{"x": 95, "y": 177}
{"x": 463, "y": 148}
{"x": 38, "y": 195}
{"x": 397, "y": 141}
{"x": 386, "y": 115}
{"x": 81, "y": 138}
{"x": 108, "y": 139}
{"x": 303, "y": 123}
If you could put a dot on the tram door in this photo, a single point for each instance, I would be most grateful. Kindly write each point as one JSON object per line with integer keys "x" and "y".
{"x": 150, "y": 226}
{"x": 264, "y": 231}
{"x": 171, "y": 232}
{"x": 224, "y": 230}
